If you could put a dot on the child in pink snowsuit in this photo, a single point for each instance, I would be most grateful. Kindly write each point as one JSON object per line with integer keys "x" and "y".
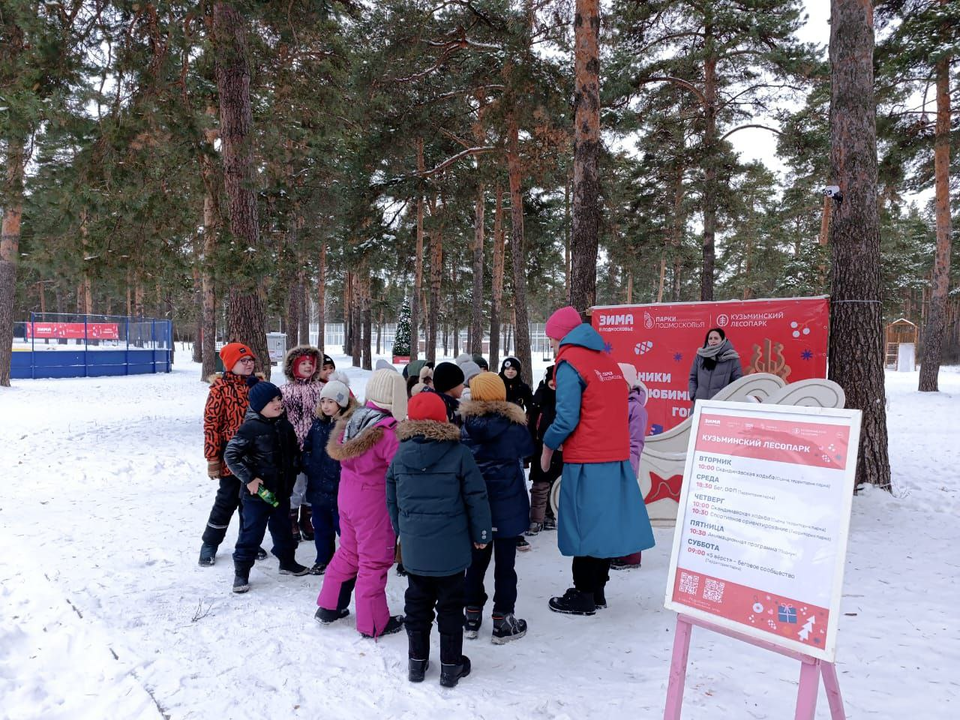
{"x": 364, "y": 443}
{"x": 636, "y": 403}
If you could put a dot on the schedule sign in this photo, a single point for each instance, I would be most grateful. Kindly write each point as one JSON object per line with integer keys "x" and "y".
{"x": 761, "y": 534}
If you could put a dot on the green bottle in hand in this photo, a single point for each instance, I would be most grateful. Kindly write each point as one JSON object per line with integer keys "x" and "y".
{"x": 267, "y": 496}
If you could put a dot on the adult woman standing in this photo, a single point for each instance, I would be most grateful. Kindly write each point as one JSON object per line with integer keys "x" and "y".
{"x": 716, "y": 365}
{"x": 601, "y": 514}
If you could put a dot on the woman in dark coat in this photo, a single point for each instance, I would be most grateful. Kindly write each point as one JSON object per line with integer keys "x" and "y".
{"x": 518, "y": 392}
{"x": 716, "y": 365}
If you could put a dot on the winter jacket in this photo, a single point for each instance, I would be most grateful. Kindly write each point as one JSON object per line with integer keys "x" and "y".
{"x": 265, "y": 448}
{"x": 365, "y": 456}
{"x": 591, "y": 415}
{"x": 436, "y": 498}
{"x": 301, "y": 396}
{"x": 601, "y": 512}
{"x": 705, "y": 383}
{"x": 497, "y": 435}
{"x": 224, "y": 413}
{"x": 323, "y": 472}
{"x": 451, "y": 403}
{"x": 544, "y": 410}
{"x": 637, "y": 414}
{"x": 518, "y": 392}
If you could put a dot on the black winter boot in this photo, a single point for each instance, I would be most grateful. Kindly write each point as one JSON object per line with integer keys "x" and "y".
{"x": 473, "y": 619}
{"x": 241, "y": 579}
{"x": 574, "y": 602}
{"x": 600, "y": 599}
{"x": 306, "y": 523}
{"x": 208, "y": 555}
{"x": 292, "y": 567}
{"x": 508, "y": 627}
{"x": 418, "y": 654}
{"x": 394, "y": 625}
{"x": 453, "y": 663}
{"x": 325, "y": 617}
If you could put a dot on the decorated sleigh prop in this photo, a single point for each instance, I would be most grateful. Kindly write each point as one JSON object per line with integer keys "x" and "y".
{"x": 664, "y": 455}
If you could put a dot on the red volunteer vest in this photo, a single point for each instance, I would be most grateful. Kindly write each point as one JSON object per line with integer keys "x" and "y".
{"x": 603, "y": 433}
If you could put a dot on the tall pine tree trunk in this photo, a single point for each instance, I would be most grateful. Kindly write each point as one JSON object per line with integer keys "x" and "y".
{"x": 197, "y": 355}
{"x": 415, "y": 304}
{"x": 211, "y": 226}
{"x": 710, "y": 170}
{"x": 11, "y": 202}
{"x": 932, "y": 348}
{"x": 366, "y": 321}
{"x": 586, "y": 158}
{"x": 247, "y": 319}
{"x": 436, "y": 270}
{"x": 517, "y": 255}
{"x": 856, "y": 323}
{"x": 321, "y": 296}
{"x": 476, "y": 317}
{"x": 496, "y": 289}
{"x": 304, "y": 286}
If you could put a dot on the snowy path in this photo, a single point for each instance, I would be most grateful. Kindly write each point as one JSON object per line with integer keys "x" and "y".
{"x": 105, "y": 498}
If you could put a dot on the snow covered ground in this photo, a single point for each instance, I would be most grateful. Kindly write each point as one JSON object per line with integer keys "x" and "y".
{"x": 104, "y": 612}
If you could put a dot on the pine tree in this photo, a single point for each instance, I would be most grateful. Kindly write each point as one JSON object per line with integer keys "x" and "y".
{"x": 401, "y": 341}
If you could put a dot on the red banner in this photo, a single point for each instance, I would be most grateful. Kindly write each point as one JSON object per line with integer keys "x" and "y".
{"x": 785, "y": 337}
{"x": 75, "y": 331}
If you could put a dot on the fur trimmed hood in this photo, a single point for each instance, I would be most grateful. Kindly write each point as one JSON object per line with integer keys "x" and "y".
{"x": 300, "y": 351}
{"x": 430, "y": 429}
{"x": 478, "y": 408}
{"x": 355, "y": 446}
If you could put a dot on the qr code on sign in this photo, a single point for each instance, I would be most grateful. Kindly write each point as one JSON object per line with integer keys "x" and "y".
{"x": 689, "y": 583}
{"x": 713, "y": 591}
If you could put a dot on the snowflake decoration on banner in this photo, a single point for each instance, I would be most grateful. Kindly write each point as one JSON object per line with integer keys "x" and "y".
{"x": 807, "y": 355}
{"x": 608, "y": 348}
{"x": 677, "y": 357}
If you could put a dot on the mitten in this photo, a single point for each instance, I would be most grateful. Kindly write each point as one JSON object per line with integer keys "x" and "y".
{"x": 213, "y": 469}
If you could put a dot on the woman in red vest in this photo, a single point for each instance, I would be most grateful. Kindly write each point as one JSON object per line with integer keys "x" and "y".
{"x": 601, "y": 514}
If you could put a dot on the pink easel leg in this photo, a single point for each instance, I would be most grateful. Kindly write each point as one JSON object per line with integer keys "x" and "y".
{"x": 678, "y": 670}
{"x": 832, "y": 687}
{"x": 807, "y": 694}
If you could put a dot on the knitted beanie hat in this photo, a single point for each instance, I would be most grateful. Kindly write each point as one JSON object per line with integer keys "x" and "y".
{"x": 337, "y": 389}
{"x": 387, "y": 390}
{"x": 562, "y": 322}
{"x": 327, "y": 360}
{"x": 427, "y": 406}
{"x": 470, "y": 370}
{"x": 511, "y": 362}
{"x": 446, "y": 376}
{"x": 488, "y": 386}
{"x": 629, "y": 374}
{"x": 232, "y": 353}
{"x": 261, "y": 394}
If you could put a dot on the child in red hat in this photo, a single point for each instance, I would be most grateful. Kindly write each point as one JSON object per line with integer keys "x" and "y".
{"x": 223, "y": 414}
{"x": 438, "y": 505}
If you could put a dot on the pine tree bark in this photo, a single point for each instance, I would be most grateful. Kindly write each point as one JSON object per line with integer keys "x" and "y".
{"x": 586, "y": 157}
{"x": 292, "y": 310}
{"x": 367, "y": 322}
{"x": 211, "y": 226}
{"x": 197, "y": 355}
{"x": 933, "y": 332}
{"x": 436, "y": 275}
{"x": 522, "y": 329}
{"x": 476, "y": 317}
{"x": 321, "y": 296}
{"x": 856, "y": 323}
{"x": 496, "y": 290}
{"x": 303, "y": 284}
{"x": 415, "y": 304}
{"x": 12, "y": 203}
{"x": 710, "y": 170}
{"x": 247, "y": 318}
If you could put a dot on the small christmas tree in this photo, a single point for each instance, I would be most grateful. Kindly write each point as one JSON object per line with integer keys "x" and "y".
{"x": 401, "y": 341}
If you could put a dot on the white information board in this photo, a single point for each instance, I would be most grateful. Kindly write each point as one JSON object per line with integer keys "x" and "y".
{"x": 761, "y": 535}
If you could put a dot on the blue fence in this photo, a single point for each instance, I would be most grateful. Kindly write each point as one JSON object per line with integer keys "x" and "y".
{"x": 55, "y": 345}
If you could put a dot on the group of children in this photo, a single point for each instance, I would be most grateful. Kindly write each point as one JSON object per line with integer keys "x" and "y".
{"x": 437, "y": 463}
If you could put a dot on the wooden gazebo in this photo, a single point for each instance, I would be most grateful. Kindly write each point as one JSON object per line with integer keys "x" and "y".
{"x": 899, "y": 332}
